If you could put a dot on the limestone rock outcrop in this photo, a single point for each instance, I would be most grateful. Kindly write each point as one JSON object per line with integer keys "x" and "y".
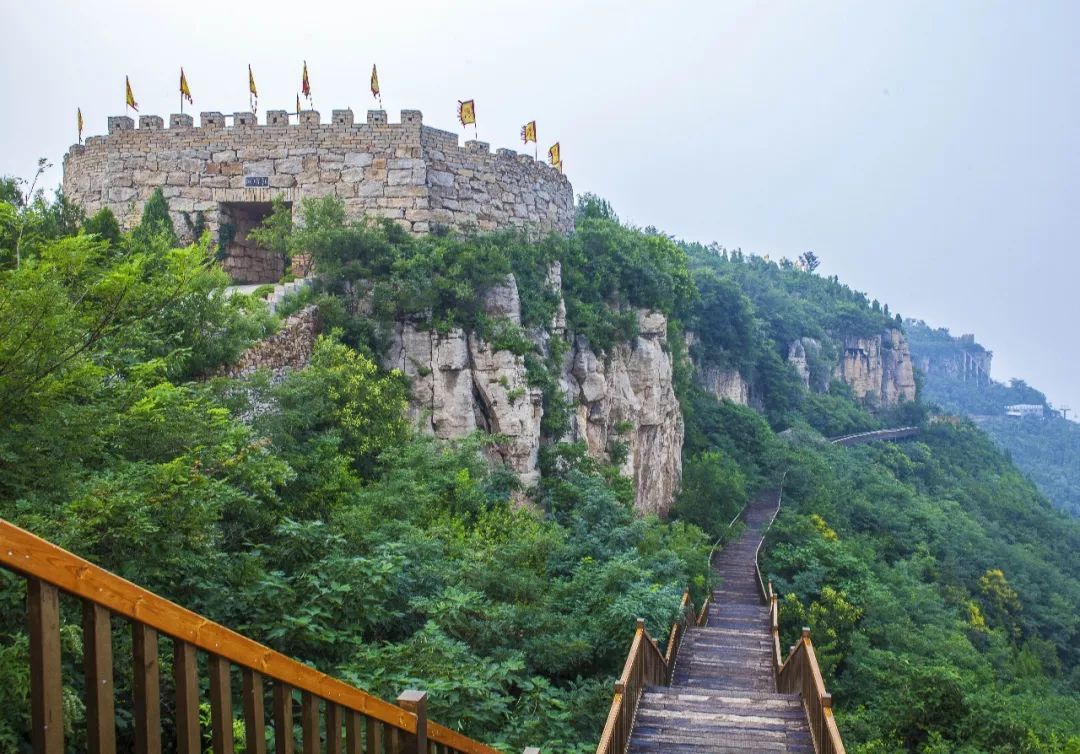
{"x": 725, "y": 384}
{"x": 628, "y": 399}
{"x": 878, "y": 369}
{"x": 622, "y": 402}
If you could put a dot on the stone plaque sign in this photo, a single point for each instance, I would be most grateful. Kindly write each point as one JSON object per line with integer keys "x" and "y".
{"x": 256, "y": 181}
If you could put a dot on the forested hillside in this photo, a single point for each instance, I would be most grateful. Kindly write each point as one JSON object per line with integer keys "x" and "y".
{"x": 1046, "y": 447}
{"x": 308, "y": 513}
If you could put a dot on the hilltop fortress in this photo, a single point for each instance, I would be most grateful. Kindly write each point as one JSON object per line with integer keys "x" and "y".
{"x": 223, "y": 177}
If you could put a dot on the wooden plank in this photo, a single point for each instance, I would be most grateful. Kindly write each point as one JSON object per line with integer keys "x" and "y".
{"x": 46, "y": 695}
{"x": 98, "y": 670}
{"x": 186, "y": 680}
{"x": 146, "y": 689}
{"x": 354, "y": 742}
{"x": 221, "y": 718}
{"x": 254, "y": 713}
{"x": 309, "y": 722}
{"x": 284, "y": 741}
{"x": 374, "y": 735}
{"x": 333, "y": 728}
{"x": 32, "y": 556}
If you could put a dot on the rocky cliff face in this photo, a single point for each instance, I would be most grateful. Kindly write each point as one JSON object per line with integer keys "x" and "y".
{"x": 878, "y": 369}
{"x": 725, "y": 384}
{"x": 628, "y": 399}
{"x": 622, "y": 402}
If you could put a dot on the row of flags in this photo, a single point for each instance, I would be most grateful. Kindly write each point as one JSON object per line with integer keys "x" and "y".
{"x": 466, "y": 108}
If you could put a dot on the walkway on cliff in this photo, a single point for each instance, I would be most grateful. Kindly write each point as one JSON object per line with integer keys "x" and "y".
{"x": 722, "y": 696}
{"x": 888, "y": 435}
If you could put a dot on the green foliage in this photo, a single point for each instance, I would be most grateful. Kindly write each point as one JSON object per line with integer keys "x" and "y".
{"x": 103, "y": 224}
{"x": 156, "y": 223}
{"x": 713, "y": 492}
{"x": 275, "y": 230}
{"x": 936, "y": 584}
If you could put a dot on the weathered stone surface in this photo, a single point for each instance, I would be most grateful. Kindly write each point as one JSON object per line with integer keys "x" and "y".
{"x": 878, "y": 369}
{"x": 460, "y": 385}
{"x": 725, "y": 384}
{"x": 627, "y": 397}
{"x": 289, "y": 348}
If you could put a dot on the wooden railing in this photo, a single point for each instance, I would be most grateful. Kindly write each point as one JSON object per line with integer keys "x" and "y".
{"x": 645, "y": 666}
{"x": 800, "y": 674}
{"x": 333, "y": 713}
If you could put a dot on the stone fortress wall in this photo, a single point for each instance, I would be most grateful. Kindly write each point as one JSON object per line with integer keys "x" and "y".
{"x": 416, "y": 175}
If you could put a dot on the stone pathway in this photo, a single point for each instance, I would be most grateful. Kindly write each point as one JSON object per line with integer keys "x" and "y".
{"x": 723, "y": 696}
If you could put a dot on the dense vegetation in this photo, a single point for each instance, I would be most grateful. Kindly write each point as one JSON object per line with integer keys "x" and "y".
{"x": 308, "y": 514}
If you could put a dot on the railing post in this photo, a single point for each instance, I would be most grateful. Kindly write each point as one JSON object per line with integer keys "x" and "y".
{"x": 416, "y": 703}
{"x": 46, "y": 689}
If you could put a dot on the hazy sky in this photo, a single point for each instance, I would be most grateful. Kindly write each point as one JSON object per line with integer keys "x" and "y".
{"x": 926, "y": 151}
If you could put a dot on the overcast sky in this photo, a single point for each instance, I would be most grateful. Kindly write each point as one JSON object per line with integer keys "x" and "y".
{"x": 926, "y": 151}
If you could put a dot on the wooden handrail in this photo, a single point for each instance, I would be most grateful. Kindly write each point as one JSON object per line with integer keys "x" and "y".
{"x": 801, "y": 674}
{"x": 645, "y": 665}
{"x": 49, "y": 568}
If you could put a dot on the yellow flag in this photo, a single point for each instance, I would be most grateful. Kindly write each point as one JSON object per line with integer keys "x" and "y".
{"x": 185, "y": 91}
{"x": 130, "y": 95}
{"x": 79, "y": 114}
{"x": 305, "y": 84}
{"x": 553, "y": 155}
{"x": 251, "y": 82}
{"x": 466, "y": 112}
{"x": 374, "y": 81}
{"x": 528, "y": 132}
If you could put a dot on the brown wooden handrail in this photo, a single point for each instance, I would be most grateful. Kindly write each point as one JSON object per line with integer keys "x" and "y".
{"x": 801, "y": 674}
{"x": 50, "y": 570}
{"x": 645, "y": 665}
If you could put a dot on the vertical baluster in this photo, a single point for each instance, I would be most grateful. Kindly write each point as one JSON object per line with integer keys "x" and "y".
{"x": 374, "y": 735}
{"x": 393, "y": 741}
{"x": 98, "y": 669}
{"x": 185, "y": 676}
{"x": 146, "y": 689}
{"x": 221, "y": 718}
{"x": 254, "y": 713}
{"x": 284, "y": 741}
{"x": 46, "y": 699}
{"x": 333, "y": 728}
{"x": 309, "y": 722}
{"x": 353, "y": 740}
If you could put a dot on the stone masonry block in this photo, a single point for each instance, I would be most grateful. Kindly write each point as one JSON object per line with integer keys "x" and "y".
{"x": 342, "y": 117}
{"x": 309, "y": 118}
{"x": 244, "y": 119}
{"x": 151, "y": 122}
{"x": 120, "y": 123}
{"x": 376, "y": 117}
{"x": 181, "y": 120}
{"x": 277, "y": 117}
{"x": 212, "y": 120}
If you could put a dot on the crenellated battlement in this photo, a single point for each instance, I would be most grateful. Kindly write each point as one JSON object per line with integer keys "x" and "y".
{"x": 229, "y": 165}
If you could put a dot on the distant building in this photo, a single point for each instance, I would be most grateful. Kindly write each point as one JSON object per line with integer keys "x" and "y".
{"x": 1025, "y": 410}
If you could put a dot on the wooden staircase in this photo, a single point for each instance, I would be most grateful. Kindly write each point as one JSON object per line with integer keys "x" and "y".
{"x": 722, "y": 684}
{"x": 723, "y": 696}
